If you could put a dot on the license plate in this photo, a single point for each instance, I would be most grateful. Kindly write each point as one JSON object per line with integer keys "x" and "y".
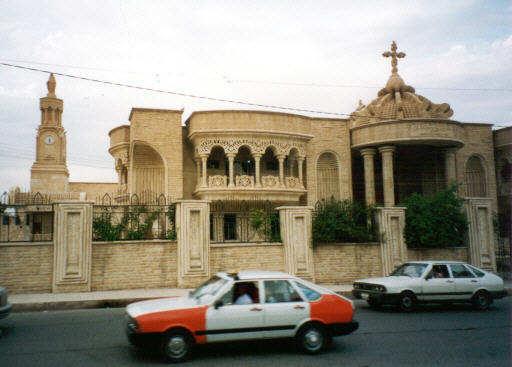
{"x": 364, "y": 296}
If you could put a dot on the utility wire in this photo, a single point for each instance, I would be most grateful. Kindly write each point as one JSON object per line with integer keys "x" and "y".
{"x": 176, "y": 93}
{"x": 205, "y": 97}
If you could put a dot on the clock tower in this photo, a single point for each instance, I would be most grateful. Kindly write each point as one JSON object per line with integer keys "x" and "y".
{"x": 49, "y": 172}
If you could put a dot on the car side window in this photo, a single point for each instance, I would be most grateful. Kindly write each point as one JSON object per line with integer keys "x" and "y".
{"x": 280, "y": 291}
{"x": 460, "y": 271}
{"x": 479, "y": 273}
{"x": 310, "y": 294}
{"x": 440, "y": 271}
{"x": 241, "y": 293}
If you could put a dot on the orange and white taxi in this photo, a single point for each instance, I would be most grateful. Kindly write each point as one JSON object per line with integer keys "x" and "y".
{"x": 241, "y": 306}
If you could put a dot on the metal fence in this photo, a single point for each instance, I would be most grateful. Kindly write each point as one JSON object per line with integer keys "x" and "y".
{"x": 503, "y": 258}
{"x": 26, "y": 219}
{"x": 239, "y": 221}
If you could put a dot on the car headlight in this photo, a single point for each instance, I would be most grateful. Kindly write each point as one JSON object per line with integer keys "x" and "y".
{"x": 357, "y": 286}
{"x": 132, "y": 323}
{"x": 380, "y": 288}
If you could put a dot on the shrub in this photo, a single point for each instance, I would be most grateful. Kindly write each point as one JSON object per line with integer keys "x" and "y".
{"x": 435, "y": 222}
{"x": 343, "y": 221}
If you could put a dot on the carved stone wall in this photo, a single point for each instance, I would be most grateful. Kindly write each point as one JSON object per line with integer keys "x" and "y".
{"x": 296, "y": 235}
{"x": 481, "y": 233}
{"x": 193, "y": 235}
{"x": 391, "y": 222}
{"x": 72, "y": 250}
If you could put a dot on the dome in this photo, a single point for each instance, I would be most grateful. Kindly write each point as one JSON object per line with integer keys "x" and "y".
{"x": 398, "y": 101}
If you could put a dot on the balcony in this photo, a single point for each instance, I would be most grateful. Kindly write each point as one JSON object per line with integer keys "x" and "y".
{"x": 245, "y": 187}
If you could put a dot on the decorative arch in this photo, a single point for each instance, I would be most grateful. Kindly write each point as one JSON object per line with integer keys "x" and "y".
{"x": 149, "y": 170}
{"x": 328, "y": 176}
{"x": 475, "y": 177}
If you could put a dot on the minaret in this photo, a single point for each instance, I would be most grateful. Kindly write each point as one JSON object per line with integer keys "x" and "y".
{"x": 49, "y": 172}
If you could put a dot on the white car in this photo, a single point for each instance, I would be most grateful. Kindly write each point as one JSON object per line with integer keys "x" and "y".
{"x": 431, "y": 282}
{"x": 240, "y": 306}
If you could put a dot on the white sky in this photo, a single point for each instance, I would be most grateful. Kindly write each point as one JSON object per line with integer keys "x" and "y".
{"x": 317, "y": 55}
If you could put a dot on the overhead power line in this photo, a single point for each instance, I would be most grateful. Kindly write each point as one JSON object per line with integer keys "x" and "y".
{"x": 176, "y": 93}
{"x": 203, "y": 97}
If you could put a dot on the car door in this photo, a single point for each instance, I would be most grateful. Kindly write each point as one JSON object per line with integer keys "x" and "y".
{"x": 438, "y": 285}
{"x": 284, "y": 308}
{"x": 232, "y": 321}
{"x": 465, "y": 281}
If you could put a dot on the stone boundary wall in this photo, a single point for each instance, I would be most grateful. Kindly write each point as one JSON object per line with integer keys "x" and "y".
{"x": 342, "y": 263}
{"x": 247, "y": 256}
{"x": 134, "y": 264}
{"x": 450, "y": 253}
{"x": 26, "y": 267}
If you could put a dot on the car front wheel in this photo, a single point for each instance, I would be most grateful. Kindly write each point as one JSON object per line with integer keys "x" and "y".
{"x": 311, "y": 338}
{"x": 481, "y": 300}
{"x": 407, "y": 302}
{"x": 176, "y": 345}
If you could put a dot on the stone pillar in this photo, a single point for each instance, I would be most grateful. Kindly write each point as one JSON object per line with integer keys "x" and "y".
{"x": 193, "y": 237}
{"x": 369, "y": 175}
{"x": 72, "y": 246}
{"x": 387, "y": 175}
{"x": 391, "y": 224}
{"x": 198, "y": 171}
{"x": 281, "y": 169}
{"x": 449, "y": 166}
{"x": 231, "y": 158}
{"x": 480, "y": 233}
{"x": 257, "y": 158}
{"x": 300, "y": 161}
{"x": 295, "y": 225}
{"x": 204, "y": 160}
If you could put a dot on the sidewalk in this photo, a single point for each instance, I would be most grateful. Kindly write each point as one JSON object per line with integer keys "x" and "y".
{"x": 68, "y": 301}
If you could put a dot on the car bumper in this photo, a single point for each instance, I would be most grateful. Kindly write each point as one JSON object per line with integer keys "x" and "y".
{"x": 342, "y": 328}
{"x": 5, "y": 310}
{"x": 379, "y": 297}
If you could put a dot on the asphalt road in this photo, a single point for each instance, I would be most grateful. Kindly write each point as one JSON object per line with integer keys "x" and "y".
{"x": 431, "y": 336}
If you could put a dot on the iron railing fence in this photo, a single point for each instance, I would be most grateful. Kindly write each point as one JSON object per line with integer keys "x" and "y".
{"x": 503, "y": 260}
{"x": 28, "y": 218}
{"x": 133, "y": 222}
{"x": 243, "y": 222}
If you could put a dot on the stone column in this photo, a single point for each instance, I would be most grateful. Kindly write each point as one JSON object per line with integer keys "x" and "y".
{"x": 369, "y": 175}
{"x": 480, "y": 233}
{"x": 281, "y": 169}
{"x": 257, "y": 158}
{"x": 387, "y": 175}
{"x": 72, "y": 247}
{"x": 198, "y": 170}
{"x": 449, "y": 166}
{"x": 204, "y": 159}
{"x": 193, "y": 238}
{"x": 300, "y": 161}
{"x": 231, "y": 158}
{"x": 391, "y": 224}
{"x": 295, "y": 226}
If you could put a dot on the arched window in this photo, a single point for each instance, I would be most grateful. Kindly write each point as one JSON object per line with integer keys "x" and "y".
{"x": 328, "y": 184}
{"x": 474, "y": 178}
{"x": 148, "y": 170}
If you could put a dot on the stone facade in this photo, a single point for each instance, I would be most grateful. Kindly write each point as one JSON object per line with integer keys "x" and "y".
{"x": 397, "y": 144}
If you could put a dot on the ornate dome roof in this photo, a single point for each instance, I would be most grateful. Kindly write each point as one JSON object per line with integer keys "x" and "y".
{"x": 398, "y": 101}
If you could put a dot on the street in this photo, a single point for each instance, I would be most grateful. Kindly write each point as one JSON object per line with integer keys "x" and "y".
{"x": 431, "y": 336}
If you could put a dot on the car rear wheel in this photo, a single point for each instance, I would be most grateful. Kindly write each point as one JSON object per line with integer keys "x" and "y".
{"x": 176, "y": 345}
{"x": 407, "y": 302}
{"x": 481, "y": 300}
{"x": 311, "y": 338}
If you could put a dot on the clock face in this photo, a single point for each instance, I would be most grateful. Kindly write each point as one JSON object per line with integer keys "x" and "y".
{"x": 49, "y": 139}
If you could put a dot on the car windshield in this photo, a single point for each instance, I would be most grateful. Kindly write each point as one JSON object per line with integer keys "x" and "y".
{"x": 208, "y": 289}
{"x": 410, "y": 270}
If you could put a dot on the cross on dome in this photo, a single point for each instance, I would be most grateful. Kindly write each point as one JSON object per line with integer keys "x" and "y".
{"x": 394, "y": 55}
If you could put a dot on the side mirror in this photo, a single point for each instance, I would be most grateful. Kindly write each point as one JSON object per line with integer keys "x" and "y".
{"x": 218, "y": 303}
{"x": 429, "y": 276}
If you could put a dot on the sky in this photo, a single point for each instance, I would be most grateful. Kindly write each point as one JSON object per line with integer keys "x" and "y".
{"x": 312, "y": 55}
